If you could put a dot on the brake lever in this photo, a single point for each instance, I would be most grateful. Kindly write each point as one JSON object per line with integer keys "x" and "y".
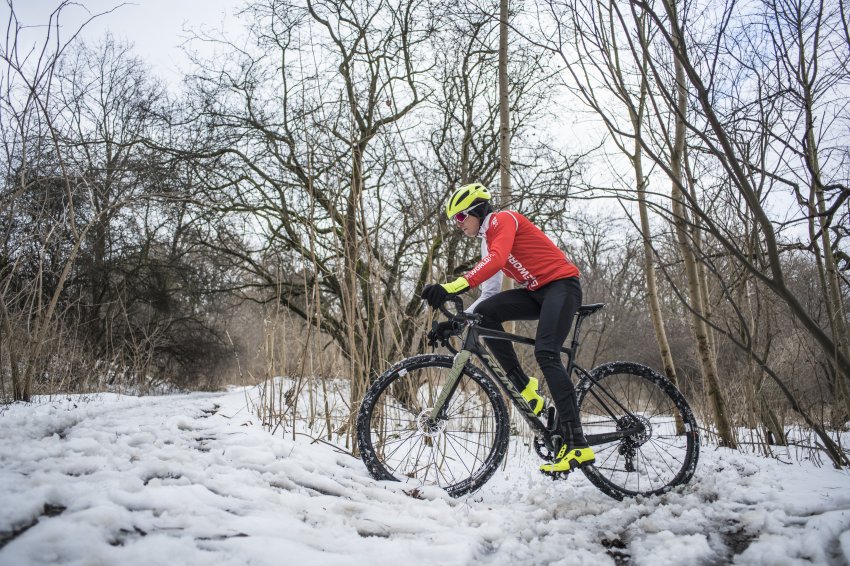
{"x": 432, "y": 335}
{"x": 436, "y": 337}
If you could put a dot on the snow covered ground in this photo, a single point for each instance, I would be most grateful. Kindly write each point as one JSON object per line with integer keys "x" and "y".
{"x": 194, "y": 479}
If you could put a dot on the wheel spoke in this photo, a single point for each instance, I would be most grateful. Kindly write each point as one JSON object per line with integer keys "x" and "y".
{"x": 466, "y": 442}
{"x": 647, "y": 462}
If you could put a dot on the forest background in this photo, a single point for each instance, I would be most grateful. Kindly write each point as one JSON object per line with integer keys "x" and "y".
{"x": 279, "y": 212}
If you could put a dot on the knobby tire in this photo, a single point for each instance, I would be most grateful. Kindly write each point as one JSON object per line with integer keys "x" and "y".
{"x": 459, "y": 453}
{"x": 654, "y": 461}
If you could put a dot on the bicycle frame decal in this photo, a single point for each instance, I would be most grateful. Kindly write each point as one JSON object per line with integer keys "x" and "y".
{"x": 525, "y": 409}
{"x": 472, "y": 345}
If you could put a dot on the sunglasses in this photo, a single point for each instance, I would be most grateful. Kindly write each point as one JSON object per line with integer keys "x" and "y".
{"x": 461, "y": 216}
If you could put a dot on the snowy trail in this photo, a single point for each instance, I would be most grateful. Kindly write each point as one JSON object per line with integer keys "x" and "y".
{"x": 192, "y": 479}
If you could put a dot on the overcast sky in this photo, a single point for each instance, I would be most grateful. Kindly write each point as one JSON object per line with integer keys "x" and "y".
{"x": 155, "y": 27}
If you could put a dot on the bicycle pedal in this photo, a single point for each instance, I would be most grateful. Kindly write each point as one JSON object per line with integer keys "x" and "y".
{"x": 556, "y": 476}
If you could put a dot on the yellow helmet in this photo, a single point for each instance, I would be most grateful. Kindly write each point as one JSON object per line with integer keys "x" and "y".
{"x": 464, "y": 197}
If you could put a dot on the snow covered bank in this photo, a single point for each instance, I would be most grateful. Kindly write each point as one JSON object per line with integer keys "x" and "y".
{"x": 194, "y": 479}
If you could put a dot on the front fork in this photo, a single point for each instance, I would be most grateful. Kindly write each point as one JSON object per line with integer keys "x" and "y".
{"x": 438, "y": 411}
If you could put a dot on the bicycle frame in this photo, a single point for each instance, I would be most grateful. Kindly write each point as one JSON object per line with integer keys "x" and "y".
{"x": 472, "y": 345}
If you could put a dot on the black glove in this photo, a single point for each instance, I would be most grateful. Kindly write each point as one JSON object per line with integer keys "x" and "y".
{"x": 441, "y": 332}
{"x": 434, "y": 295}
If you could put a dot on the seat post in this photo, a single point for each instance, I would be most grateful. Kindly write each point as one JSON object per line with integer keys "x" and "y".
{"x": 583, "y": 312}
{"x": 580, "y": 316}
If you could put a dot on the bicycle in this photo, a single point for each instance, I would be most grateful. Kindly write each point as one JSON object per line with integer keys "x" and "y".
{"x": 440, "y": 420}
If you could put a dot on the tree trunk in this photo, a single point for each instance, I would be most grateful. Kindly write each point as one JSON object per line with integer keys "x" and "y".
{"x": 350, "y": 295}
{"x": 649, "y": 263}
{"x": 696, "y": 293}
{"x": 13, "y": 354}
{"x": 828, "y": 275}
{"x": 652, "y": 282}
{"x": 504, "y": 109}
{"x": 636, "y": 116}
{"x": 504, "y": 126}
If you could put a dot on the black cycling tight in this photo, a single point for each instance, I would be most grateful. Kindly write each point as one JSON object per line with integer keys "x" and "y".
{"x": 554, "y": 306}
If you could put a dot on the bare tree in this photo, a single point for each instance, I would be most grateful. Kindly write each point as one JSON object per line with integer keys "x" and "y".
{"x": 729, "y": 147}
{"x": 504, "y": 108}
{"x": 718, "y": 141}
{"x": 714, "y": 129}
{"x": 696, "y": 285}
{"x": 308, "y": 125}
{"x": 807, "y": 53}
{"x": 39, "y": 175}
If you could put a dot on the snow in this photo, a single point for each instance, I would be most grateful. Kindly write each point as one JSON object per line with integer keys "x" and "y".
{"x": 195, "y": 479}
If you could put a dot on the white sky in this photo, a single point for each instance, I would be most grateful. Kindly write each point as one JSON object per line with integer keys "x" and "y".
{"x": 155, "y": 27}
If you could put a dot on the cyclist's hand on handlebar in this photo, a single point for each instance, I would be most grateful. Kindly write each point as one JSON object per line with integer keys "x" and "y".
{"x": 441, "y": 332}
{"x": 436, "y": 295}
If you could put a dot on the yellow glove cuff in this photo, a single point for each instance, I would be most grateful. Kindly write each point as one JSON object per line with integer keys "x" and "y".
{"x": 457, "y": 286}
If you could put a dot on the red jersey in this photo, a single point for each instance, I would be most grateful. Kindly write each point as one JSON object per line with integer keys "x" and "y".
{"x": 521, "y": 251}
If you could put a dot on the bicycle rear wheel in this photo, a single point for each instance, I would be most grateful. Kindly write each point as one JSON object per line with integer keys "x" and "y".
{"x": 662, "y": 449}
{"x": 399, "y": 441}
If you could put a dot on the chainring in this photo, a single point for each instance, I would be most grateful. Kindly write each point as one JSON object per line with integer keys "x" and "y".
{"x": 542, "y": 450}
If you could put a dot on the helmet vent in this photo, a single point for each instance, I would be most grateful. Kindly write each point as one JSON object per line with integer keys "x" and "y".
{"x": 460, "y": 197}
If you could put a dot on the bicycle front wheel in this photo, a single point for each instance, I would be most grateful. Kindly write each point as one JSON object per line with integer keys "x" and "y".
{"x": 400, "y": 440}
{"x": 647, "y": 441}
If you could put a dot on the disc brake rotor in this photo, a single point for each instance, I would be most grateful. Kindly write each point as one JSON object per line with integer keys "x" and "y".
{"x": 429, "y": 427}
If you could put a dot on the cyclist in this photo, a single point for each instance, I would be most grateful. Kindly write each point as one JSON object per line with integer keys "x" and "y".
{"x": 549, "y": 292}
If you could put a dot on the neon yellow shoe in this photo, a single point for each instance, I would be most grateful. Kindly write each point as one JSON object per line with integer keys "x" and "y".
{"x": 568, "y": 460}
{"x": 535, "y": 401}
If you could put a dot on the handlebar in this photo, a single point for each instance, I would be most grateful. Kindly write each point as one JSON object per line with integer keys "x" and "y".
{"x": 458, "y": 304}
